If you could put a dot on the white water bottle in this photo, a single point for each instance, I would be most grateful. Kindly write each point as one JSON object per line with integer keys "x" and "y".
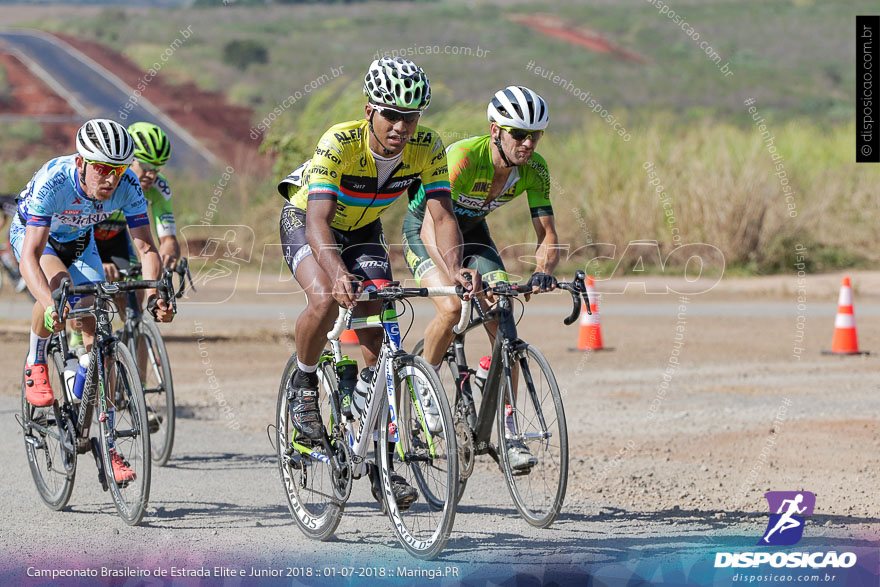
{"x": 359, "y": 396}
{"x": 70, "y": 377}
{"x": 482, "y": 373}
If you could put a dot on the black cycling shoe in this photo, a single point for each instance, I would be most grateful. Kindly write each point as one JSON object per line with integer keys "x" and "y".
{"x": 302, "y": 396}
{"x": 404, "y": 493}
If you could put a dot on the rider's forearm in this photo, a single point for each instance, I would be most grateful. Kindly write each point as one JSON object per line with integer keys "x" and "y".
{"x": 169, "y": 246}
{"x": 548, "y": 253}
{"x": 324, "y": 249}
{"x": 449, "y": 241}
{"x": 36, "y": 280}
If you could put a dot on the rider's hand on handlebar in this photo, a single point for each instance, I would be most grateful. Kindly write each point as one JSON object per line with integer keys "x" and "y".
{"x": 111, "y": 272}
{"x": 57, "y": 323}
{"x": 346, "y": 288}
{"x": 470, "y": 280}
{"x": 542, "y": 282}
{"x": 168, "y": 261}
{"x": 162, "y": 311}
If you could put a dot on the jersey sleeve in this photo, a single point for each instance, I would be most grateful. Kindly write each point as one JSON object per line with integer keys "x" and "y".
{"x": 135, "y": 207}
{"x": 159, "y": 197}
{"x": 538, "y": 187}
{"x": 325, "y": 170}
{"x": 435, "y": 176}
{"x": 43, "y": 201}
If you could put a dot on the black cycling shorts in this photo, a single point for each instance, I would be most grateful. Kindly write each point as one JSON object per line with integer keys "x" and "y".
{"x": 363, "y": 251}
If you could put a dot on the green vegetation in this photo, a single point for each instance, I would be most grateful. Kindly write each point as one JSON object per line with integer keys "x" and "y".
{"x": 5, "y": 87}
{"x": 241, "y": 54}
{"x": 684, "y": 115}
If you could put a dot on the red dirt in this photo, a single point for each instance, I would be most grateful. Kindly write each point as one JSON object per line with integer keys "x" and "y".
{"x": 30, "y": 96}
{"x": 222, "y": 127}
{"x": 555, "y": 27}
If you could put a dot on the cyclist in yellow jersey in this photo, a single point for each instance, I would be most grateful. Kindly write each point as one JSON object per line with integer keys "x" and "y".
{"x": 331, "y": 234}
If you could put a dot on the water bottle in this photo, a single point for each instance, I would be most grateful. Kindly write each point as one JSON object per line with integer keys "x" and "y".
{"x": 80, "y": 380}
{"x": 482, "y": 373}
{"x": 347, "y": 373}
{"x": 359, "y": 397}
{"x": 70, "y": 369}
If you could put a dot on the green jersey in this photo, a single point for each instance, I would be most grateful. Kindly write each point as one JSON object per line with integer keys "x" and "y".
{"x": 470, "y": 175}
{"x": 159, "y": 199}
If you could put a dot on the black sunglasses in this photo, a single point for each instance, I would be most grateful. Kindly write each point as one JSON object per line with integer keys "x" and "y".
{"x": 392, "y": 115}
{"x": 519, "y": 134}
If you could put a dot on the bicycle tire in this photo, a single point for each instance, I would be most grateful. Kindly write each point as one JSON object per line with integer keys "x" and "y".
{"x": 124, "y": 391}
{"x": 309, "y": 502}
{"x": 538, "y": 494}
{"x": 424, "y": 527}
{"x": 159, "y": 388}
{"x": 447, "y": 380}
{"x": 44, "y": 452}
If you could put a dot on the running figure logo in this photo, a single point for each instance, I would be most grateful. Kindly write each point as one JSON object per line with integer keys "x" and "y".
{"x": 786, "y": 526}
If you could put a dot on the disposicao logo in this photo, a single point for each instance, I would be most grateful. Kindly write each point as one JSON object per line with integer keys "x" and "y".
{"x": 786, "y": 526}
{"x": 788, "y": 512}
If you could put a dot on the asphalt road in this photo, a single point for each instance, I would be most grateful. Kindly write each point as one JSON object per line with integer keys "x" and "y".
{"x": 94, "y": 92}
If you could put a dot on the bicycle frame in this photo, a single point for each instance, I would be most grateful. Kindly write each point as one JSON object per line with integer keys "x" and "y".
{"x": 359, "y": 439}
{"x": 507, "y": 344}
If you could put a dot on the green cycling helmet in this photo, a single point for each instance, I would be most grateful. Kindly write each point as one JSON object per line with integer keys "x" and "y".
{"x": 397, "y": 82}
{"x": 151, "y": 143}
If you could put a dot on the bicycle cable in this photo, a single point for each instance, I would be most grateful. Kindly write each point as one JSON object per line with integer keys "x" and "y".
{"x": 405, "y": 302}
{"x": 522, "y": 305}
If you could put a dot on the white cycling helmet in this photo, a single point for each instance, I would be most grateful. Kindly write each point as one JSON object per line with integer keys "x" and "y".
{"x": 519, "y": 107}
{"x": 397, "y": 82}
{"x": 105, "y": 141}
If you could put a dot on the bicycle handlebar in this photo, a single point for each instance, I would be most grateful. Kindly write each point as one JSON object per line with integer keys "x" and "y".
{"x": 164, "y": 287}
{"x": 393, "y": 292}
{"x": 575, "y": 287}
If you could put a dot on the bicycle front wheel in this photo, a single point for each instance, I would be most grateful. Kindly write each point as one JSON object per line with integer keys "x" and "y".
{"x": 308, "y": 483}
{"x": 125, "y": 439}
{"x": 45, "y": 429}
{"x": 533, "y": 438}
{"x": 424, "y": 453}
{"x": 158, "y": 388}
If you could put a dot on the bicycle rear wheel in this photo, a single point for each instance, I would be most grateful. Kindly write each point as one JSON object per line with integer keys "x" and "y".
{"x": 537, "y": 491}
{"x": 158, "y": 389}
{"x": 308, "y": 483}
{"x": 126, "y": 434}
{"x": 428, "y": 461}
{"x": 52, "y": 467}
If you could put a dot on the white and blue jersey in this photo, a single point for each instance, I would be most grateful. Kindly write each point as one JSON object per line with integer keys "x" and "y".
{"x": 54, "y": 198}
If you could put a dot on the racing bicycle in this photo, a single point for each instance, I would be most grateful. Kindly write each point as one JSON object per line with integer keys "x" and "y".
{"x": 318, "y": 476}
{"x": 152, "y": 360}
{"x": 55, "y": 435}
{"x": 521, "y": 397}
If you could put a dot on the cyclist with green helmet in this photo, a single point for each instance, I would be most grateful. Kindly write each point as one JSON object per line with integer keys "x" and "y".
{"x": 331, "y": 235}
{"x": 485, "y": 173}
{"x": 152, "y": 151}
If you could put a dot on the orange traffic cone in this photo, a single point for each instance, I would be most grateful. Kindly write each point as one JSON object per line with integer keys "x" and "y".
{"x": 348, "y": 337}
{"x": 590, "y": 330}
{"x": 845, "y": 341}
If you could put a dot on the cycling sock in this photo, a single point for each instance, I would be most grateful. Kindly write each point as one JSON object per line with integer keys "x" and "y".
{"x": 509, "y": 420}
{"x": 306, "y": 368}
{"x": 437, "y": 367}
{"x": 37, "y": 350}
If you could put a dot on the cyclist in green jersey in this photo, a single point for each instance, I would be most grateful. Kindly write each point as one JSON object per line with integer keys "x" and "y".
{"x": 485, "y": 173}
{"x": 152, "y": 151}
{"x": 331, "y": 235}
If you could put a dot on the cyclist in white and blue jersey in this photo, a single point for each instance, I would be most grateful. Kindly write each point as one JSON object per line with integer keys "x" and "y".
{"x": 52, "y": 234}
